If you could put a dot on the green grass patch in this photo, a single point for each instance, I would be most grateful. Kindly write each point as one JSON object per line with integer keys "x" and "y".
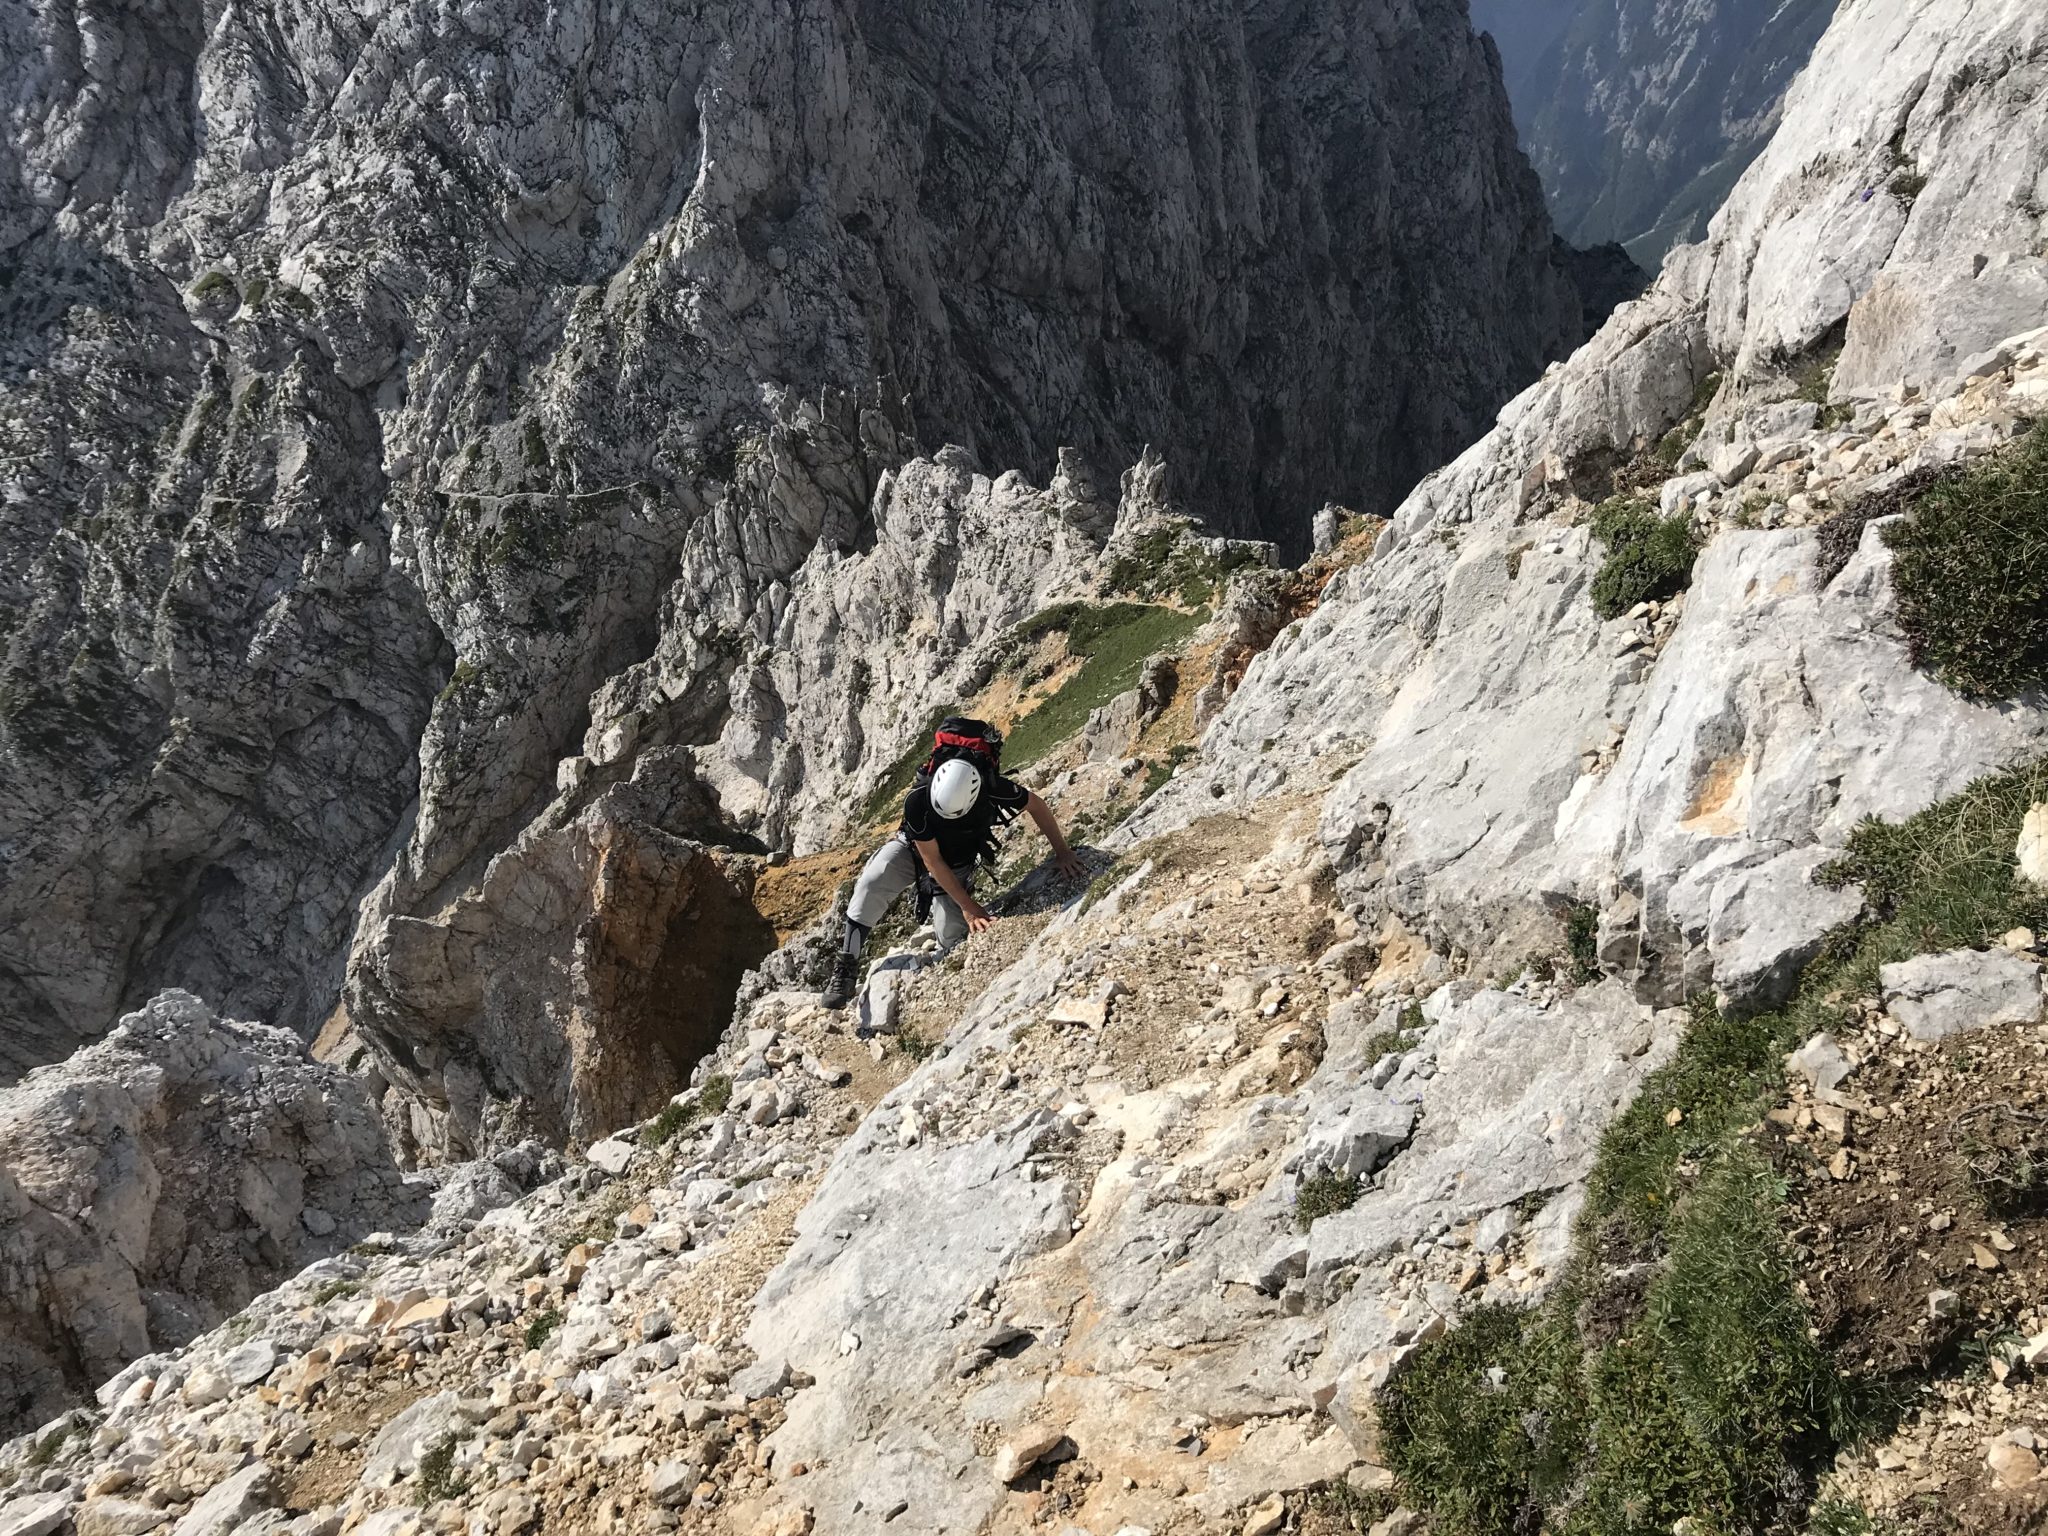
{"x": 1159, "y": 772}
{"x": 1971, "y": 567}
{"x": 903, "y": 772}
{"x": 1649, "y": 558}
{"x": 1340, "y": 1503}
{"x": 1703, "y": 1393}
{"x": 914, "y": 1043}
{"x": 213, "y": 285}
{"x": 1170, "y": 562}
{"x": 1323, "y": 1194}
{"x": 1115, "y": 643}
{"x": 677, "y": 1117}
{"x": 336, "y": 1290}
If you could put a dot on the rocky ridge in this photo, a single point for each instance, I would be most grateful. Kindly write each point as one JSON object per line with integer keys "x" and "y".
{"x": 157, "y": 1181}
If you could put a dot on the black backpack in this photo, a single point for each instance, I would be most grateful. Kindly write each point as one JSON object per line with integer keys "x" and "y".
{"x": 961, "y": 736}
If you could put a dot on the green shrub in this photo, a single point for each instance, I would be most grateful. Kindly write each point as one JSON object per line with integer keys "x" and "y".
{"x": 1649, "y": 558}
{"x": 539, "y": 1330}
{"x": 45, "y": 1450}
{"x": 437, "y": 1473}
{"x": 1159, "y": 773}
{"x": 1582, "y": 942}
{"x": 1971, "y": 566}
{"x": 715, "y": 1094}
{"x": 662, "y": 1129}
{"x": 1483, "y": 1425}
{"x": 1323, "y": 1194}
{"x": 1708, "y": 1395}
{"x": 1720, "y": 1401}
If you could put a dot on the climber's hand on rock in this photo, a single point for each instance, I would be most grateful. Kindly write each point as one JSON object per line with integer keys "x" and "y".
{"x": 978, "y": 917}
{"x": 1069, "y": 864}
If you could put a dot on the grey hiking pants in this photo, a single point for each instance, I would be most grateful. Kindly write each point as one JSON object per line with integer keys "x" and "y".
{"x": 892, "y": 871}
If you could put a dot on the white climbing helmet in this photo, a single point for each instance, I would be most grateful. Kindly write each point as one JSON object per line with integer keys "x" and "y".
{"x": 955, "y": 788}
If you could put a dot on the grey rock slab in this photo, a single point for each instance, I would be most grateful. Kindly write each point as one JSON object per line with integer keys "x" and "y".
{"x": 39, "y": 1514}
{"x": 1517, "y": 1105}
{"x": 117, "y": 1517}
{"x": 247, "y": 1364}
{"x": 614, "y": 1154}
{"x": 764, "y": 1378}
{"x": 230, "y": 1502}
{"x": 394, "y": 1455}
{"x": 1936, "y": 996}
{"x": 1354, "y": 1135}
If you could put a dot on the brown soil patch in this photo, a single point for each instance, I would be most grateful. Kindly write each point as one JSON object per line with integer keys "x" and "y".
{"x": 792, "y": 895}
{"x": 1915, "y": 1196}
{"x": 327, "y": 1474}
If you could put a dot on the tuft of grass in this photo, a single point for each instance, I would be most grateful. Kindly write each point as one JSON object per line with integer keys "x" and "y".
{"x": 1400, "y": 1038}
{"x": 45, "y": 1450}
{"x": 715, "y": 1094}
{"x": 1106, "y": 882}
{"x": 1323, "y": 1194}
{"x": 1159, "y": 773}
{"x": 1115, "y": 642}
{"x": 437, "y": 1473}
{"x": 335, "y": 1290}
{"x": 1711, "y": 1397}
{"x": 1971, "y": 566}
{"x": 1344, "y": 1506}
{"x": 541, "y": 1328}
{"x": 1649, "y": 558}
{"x": 663, "y": 1127}
{"x": 913, "y": 1043}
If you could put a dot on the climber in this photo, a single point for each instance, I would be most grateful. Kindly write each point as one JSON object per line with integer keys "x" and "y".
{"x": 949, "y": 823}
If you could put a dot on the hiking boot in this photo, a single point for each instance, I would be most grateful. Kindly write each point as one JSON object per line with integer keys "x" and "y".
{"x": 844, "y": 983}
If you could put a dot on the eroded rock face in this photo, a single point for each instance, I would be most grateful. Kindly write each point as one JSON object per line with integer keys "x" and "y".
{"x": 159, "y": 1179}
{"x": 378, "y": 391}
{"x": 573, "y": 988}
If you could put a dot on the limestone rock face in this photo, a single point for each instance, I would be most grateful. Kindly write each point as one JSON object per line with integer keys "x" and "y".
{"x": 375, "y": 395}
{"x": 1503, "y": 751}
{"x": 1639, "y": 113}
{"x": 160, "y": 1178}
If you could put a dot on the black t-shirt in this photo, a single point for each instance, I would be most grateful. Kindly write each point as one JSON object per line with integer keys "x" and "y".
{"x": 962, "y": 840}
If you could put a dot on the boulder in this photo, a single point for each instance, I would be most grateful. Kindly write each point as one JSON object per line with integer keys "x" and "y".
{"x": 2032, "y": 853}
{"x": 1936, "y": 996}
{"x": 1354, "y": 1136}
